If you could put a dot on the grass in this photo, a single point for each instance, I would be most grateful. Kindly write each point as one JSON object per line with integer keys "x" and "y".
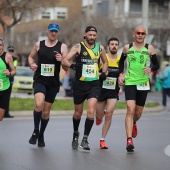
{"x": 19, "y": 104}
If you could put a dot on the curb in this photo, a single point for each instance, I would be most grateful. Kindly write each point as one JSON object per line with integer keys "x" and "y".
{"x": 70, "y": 112}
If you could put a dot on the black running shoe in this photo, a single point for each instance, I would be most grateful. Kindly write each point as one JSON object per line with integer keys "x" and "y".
{"x": 75, "y": 142}
{"x": 84, "y": 144}
{"x": 41, "y": 142}
{"x": 33, "y": 139}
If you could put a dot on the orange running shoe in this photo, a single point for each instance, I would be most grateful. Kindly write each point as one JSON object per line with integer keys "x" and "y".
{"x": 98, "y": 122}
{"x": 103, "y": 144}
{"x": 134, "y": 130}
{"x": 130, "y": 147}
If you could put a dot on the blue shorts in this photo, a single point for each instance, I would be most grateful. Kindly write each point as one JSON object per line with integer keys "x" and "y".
{"x": 49, "y": 92}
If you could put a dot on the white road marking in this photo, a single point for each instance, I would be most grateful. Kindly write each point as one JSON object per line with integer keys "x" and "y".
{"x": 167, "y": 150}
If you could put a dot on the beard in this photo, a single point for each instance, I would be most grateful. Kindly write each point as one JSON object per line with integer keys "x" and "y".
{"x": 90, "y": 41}
{"x": 113, "y": 51}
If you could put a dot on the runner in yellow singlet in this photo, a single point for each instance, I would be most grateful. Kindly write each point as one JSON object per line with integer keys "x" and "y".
{"x": 110, "y": 91}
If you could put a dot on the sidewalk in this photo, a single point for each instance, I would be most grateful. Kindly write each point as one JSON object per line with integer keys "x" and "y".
{"x": 70, "y": 112}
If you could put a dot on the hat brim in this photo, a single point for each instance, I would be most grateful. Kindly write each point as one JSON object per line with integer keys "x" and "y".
{"x": 53, "y": 29}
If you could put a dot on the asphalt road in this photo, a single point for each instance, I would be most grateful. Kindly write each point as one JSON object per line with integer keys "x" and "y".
{"x": 152, "y": 145}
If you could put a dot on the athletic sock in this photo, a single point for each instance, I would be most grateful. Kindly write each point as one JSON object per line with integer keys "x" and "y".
{"x": 44, "y": 123}
{"x": 37, "y": 118}
{"x": 76, "y": 123}
{"x": 88, "y": 125}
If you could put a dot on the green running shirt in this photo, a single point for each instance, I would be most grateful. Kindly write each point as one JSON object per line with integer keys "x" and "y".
{"x": 137, "y": 60}
{"x": 4, "y": 80}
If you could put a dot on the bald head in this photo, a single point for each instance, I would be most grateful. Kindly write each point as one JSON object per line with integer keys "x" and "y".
{"x": 140, "y": 28}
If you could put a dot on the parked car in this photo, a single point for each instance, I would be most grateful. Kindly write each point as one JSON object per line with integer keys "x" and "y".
{"x": 23, "y": 80}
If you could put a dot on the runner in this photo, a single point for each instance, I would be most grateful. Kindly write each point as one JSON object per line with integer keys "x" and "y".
{"x": 110, "y": 91}
{"x": 136, "y": 79}
{"x": 87, "y": 86}
{"x": 50, "y": 53}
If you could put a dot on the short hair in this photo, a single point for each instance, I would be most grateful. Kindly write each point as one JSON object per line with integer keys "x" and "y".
{"x": 112, "y": 39}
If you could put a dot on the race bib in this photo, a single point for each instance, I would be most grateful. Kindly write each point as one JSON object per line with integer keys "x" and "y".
{"x": 109, "y": 83}
{"x": 89, "y": 71}
{"x": 47, "y": 69}
{"x": 1, "y": 83}
{"x": 144, "y": 86}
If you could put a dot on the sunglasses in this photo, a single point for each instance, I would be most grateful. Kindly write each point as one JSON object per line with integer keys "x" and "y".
{"x": 11, "y": 50}
{"x": 140, "y": 33}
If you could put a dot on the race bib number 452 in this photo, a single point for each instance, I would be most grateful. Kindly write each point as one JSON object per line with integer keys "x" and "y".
{"x": 47, "y": 69}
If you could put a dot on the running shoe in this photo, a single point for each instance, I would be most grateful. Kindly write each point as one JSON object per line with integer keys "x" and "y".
{"x": 84, "y": 144}
{"x": 33, "y": 139}
{"x": 103, "y": 144}
{"x": 98, "y": 122}
{"x": 75, "y": 140}
{"x": 130, "y": 147}
{"x": 134, "y": 130}
{"x": 41, "y": 142}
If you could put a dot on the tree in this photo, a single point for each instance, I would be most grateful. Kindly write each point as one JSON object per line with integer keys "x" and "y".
{"x": 12, "y": 11}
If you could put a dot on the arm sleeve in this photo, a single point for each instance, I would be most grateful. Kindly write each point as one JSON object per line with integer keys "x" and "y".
{"x": 155, "y": 63}
{"x": 121, "y": 62}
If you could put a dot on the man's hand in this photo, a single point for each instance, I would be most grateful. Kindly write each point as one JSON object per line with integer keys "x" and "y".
{"x": 75, "y": 66}
{"x": 121, "y": 80}
{"x": 102, "y": 76}
{"x": 58, "y": 57}
{"x": 33, "y": 66}
{"x": 147, "y": 70}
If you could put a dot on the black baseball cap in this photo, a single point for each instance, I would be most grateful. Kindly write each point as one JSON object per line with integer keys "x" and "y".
{"x": 90, "y": 28}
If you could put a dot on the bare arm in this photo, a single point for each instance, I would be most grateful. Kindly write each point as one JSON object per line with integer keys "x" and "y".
{"x": 9, "y": 61}
{"x": 64, "y": 52}
{"x": 103, "y": 58}
{"x": 31, "y": 57}
{"x": 74, "y": 51}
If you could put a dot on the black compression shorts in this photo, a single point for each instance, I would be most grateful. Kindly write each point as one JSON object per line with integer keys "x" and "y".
{"x": 131, "y": 93}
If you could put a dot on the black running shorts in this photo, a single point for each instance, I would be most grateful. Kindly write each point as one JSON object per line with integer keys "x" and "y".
{"x": 131, "y": 93}
{"x": 85, "y": 90}
{"x": 108, "y": 94}
{"x": 4, "y": 97}
{"x": 49, "y": 92}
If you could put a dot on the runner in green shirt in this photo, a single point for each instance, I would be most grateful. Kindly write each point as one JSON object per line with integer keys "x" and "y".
{"x": 7, "y": 69}
{"x": 138, "y": 56}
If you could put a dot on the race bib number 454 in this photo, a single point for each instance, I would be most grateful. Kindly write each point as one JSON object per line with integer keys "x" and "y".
{"x": 47, "y": 69}
{"x": 89, "y": 71}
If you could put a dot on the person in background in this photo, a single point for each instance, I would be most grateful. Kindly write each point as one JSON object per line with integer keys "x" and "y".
{"x": 7, "y": 69}
{"x": 49, "y": 54}
{"x": 87, "y": 86}
{"x": 165, "y": 77}
{"x": 11, "y": 51}
{"x": 139, "y": 56}
{"x": 65, "y": 84}
{"x": 110, "y": 91}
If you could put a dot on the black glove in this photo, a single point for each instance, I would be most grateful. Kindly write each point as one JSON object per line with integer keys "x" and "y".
{"x": 75, "y": 66}
{"x": 102, "y": 76}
